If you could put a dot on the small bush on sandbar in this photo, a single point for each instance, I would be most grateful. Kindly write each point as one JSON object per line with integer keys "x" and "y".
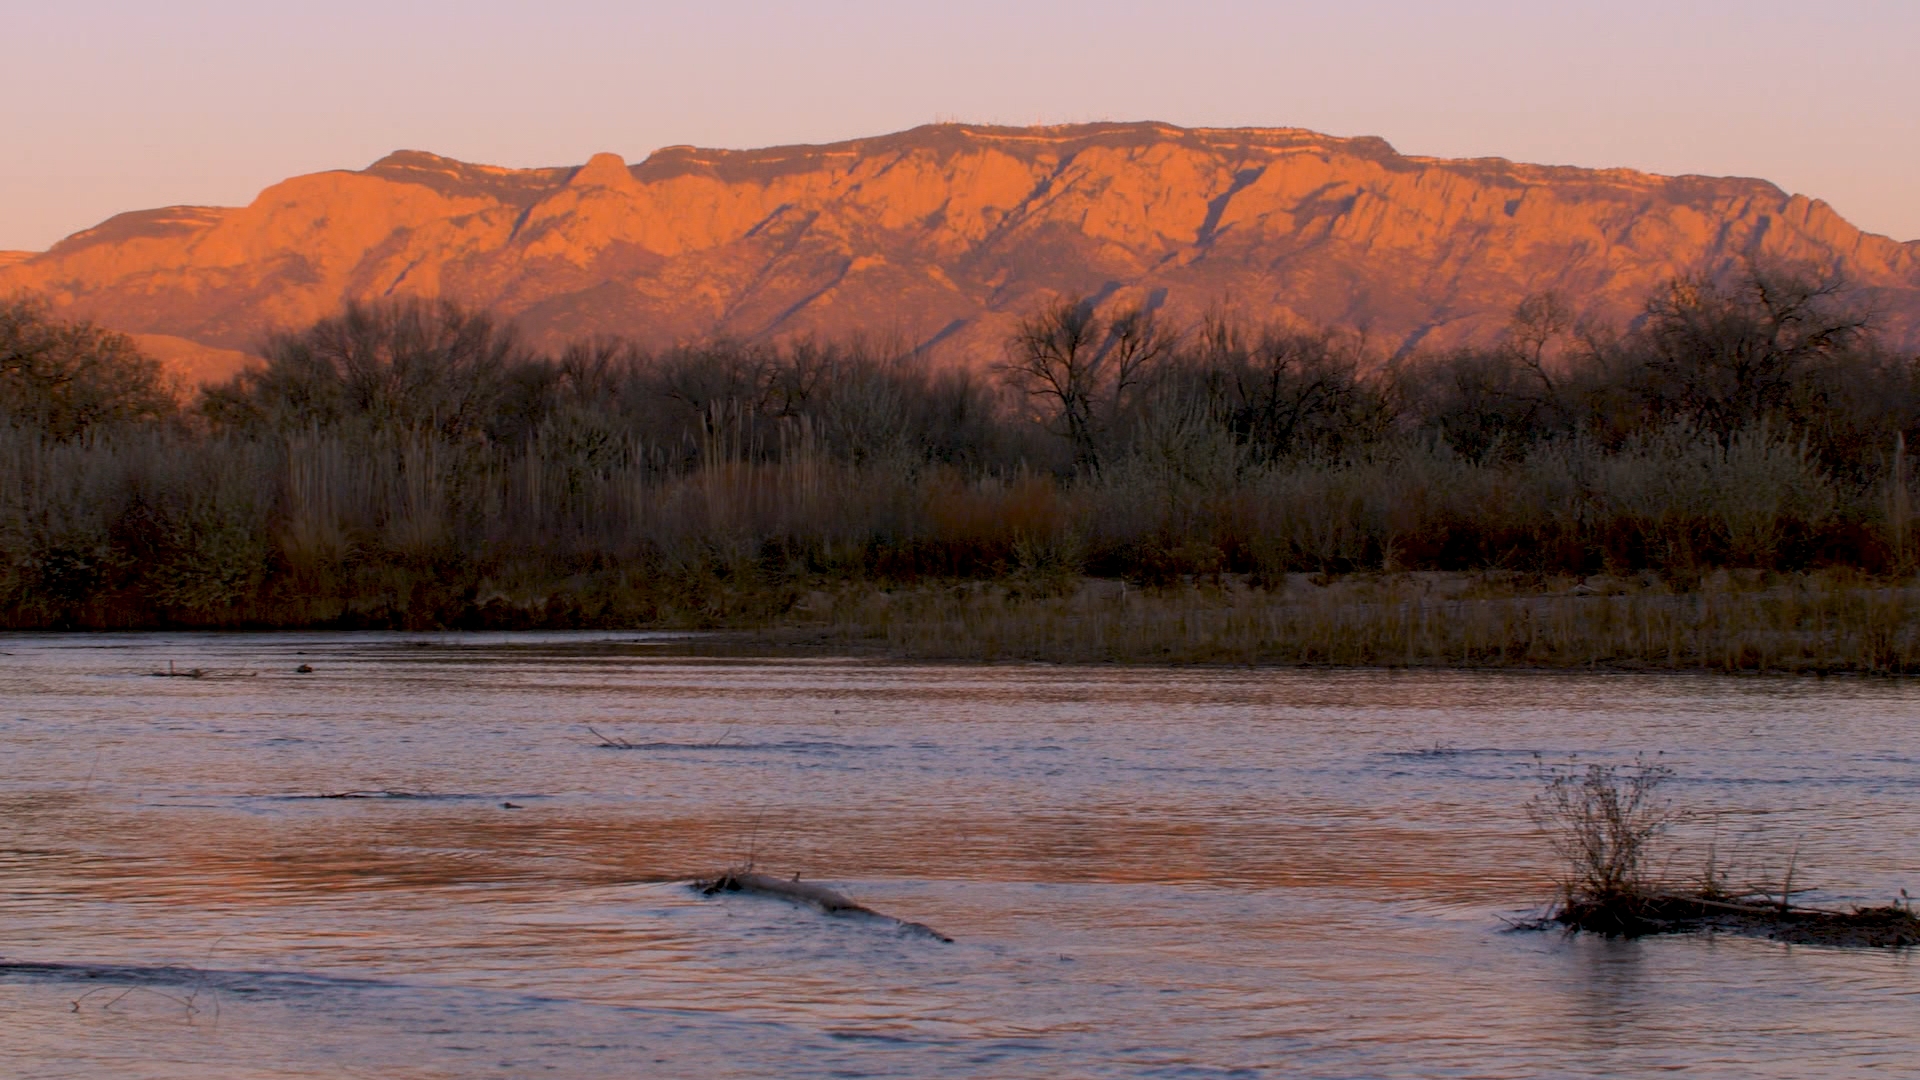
{"x": 1603, "y": 820}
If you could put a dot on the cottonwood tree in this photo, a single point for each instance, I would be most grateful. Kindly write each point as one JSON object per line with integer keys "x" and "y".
{"x": 417, "y": 366}
{"x": 1282, "y": 392}
{"x": 1496, "y": 402}
{"x": 1549, "y": 375}
{"x": 1728, "y": 357}
{"x": 1539, "y": 329}
{"x": 1084, "y": 369}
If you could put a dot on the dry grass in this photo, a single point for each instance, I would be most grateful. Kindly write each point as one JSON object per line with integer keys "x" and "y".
{"x": 1820, "y": 623}
{"x": 1202, "y": 564}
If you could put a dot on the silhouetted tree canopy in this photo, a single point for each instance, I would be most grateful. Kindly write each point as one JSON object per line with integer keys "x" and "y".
{"x": 1765, "y": 348}
{"x": 409, "y": 365}
{"x": 70, "y": 378}
{"x": 1083, "y": 369}
{"x": 412, "y": 464}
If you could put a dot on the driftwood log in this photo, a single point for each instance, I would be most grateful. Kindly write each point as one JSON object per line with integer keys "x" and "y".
{"x": 806, "y": 894}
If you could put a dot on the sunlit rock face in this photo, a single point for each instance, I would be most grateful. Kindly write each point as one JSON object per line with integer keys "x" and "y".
{"x": 943, "y": 236}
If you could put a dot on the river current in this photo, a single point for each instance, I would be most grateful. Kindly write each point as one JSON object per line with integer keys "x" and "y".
{"x": 424, "y": 859}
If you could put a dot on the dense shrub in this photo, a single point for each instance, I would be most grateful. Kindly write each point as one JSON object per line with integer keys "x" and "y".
{"x": 66, "y": 379}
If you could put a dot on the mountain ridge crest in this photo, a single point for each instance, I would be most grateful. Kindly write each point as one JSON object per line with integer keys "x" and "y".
{"x": 949, "y": 233}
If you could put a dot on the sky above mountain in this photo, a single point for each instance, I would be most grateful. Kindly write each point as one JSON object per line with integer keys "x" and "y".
{"x": 115, "y": 105}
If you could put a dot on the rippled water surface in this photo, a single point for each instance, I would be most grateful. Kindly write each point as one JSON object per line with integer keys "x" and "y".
{"x": 1147, "y": 872}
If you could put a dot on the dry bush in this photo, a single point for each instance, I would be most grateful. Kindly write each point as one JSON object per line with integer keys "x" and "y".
{"x": 1603, "y": 821}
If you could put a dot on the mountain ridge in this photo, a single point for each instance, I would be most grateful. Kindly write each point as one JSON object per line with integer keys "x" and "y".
{"x": 945, "y": 235}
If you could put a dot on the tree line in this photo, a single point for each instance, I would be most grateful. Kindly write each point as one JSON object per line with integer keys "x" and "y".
{"x": 416, "y": 463}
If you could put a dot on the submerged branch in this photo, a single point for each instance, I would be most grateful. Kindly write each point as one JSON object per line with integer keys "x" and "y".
{"x": 805, "y": 894}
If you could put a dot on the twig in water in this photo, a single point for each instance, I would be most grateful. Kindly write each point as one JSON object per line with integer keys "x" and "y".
{"x": 1786, "y": 886}
{"x": 173, "y": 672}
{"x": 753, "y": 838}
{"x": 186, "y": 1003}
{"x": 609, "y": 741}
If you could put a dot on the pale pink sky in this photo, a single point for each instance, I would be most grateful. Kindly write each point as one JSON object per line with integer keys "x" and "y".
{"x": 113, "y": 105}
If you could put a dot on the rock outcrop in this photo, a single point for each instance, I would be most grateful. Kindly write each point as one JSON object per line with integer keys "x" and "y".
{"x": 943, "y": 236}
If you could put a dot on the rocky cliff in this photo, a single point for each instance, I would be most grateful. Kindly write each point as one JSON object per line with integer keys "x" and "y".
{"x": 943, "y": 235}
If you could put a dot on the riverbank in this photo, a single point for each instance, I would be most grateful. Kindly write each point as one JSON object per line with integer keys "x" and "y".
{"x": 1822, "y": 623}
{"x": 1819, "y": 623}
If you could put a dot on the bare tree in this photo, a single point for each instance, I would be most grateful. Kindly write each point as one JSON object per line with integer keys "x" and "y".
{"x": 1085, "y": 369}
{"x": 1539, "y": 322}
{"x": 1728, "y": 357}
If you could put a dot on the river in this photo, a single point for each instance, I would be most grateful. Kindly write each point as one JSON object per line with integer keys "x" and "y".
{"x": 1146, "y": 872}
